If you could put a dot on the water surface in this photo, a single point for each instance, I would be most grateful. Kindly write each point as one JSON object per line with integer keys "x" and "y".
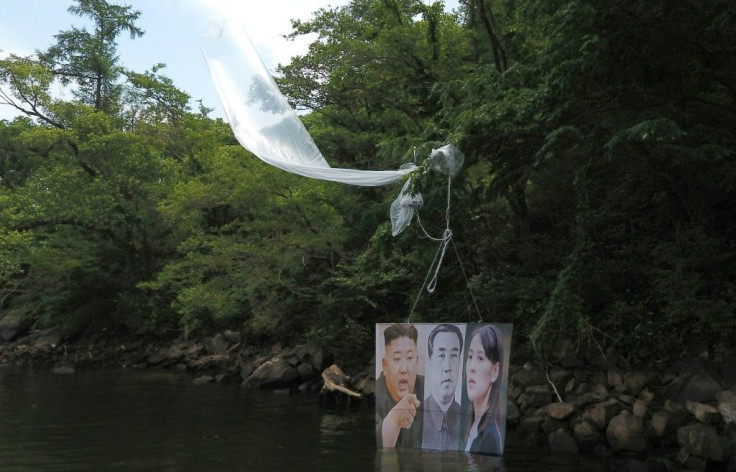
{"x": 101, "y": 420}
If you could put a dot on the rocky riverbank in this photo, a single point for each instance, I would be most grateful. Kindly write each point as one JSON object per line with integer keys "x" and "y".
{"x": 682, "y": 418}
{"x": 221, "y": 358}
{"x": 679, "y": 418}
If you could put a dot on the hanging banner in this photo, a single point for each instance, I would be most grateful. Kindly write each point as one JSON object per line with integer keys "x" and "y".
{"x": 442, "y": 386}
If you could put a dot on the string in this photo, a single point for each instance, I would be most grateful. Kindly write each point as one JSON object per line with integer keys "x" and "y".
{"x": 467, "y": 282}
{"x": 446, "y": 238}
{"x": 421, "y": 289}
{"x": 439, "y": 256}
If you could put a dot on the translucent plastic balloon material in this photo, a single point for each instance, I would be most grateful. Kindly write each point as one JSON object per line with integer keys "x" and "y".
{"x": 261, "y": 118}
{"x": 448, "y": 160}
{"x": 403, "y": 208}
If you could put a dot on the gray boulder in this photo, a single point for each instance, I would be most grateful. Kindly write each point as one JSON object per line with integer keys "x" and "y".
{"x": 45, "y": 340}
{"x": 576, "y": 388}
{"x": 582, "y": 374}
{"x": 562, "y": 441}
{"x": 529, "y": 374}
{"x": 726, "y": 401}
{"x": 157, "y": 358}
{"x": 646, "y": 395}
{"x": 615, "y": 380}
{"x": 598, "y": 378}
{"x": 675, "y": 408}
{"x": 232, "y": 336}
{"x": 174, "y": 354}
{"x": 304, "y": 354}
{"x": 625, "y": 432}
{"x": 600, "y": 389}
{"x": 305, "y": 371}
{"x": 590, "y": 398}
{"x": 515, "y": 391}
{"x": 702, "y": 440}
{"x": 219, "y": 344}
{"x": 561, "y": 349}
{"x": 559, "y": 377}
{"x": 367, "y": 386}
{"x": 587, "y": 435}
{"x": 639, "y": 408}
{"x": 316, "y": 358}
{"x": 550, "y": 425}
{"x": 559, "y": 411}
{"x": 203, "y": 379}
{"x": 249, "y": 365}
{"x": 665, "y": 423}
{"x": 635, "y": 382}
{"x": 687, "y": 461}
{"x": 535, "y": 397}
{"x": 275, "y": 373}
{"x": 697, "y": 381}
{"x": 625, "y": 399}
{"x": 191, "y": 350}
{"x": 246, "y": 370}
{"x": 12, "y": 327}
{"x": 311, "y": 355}
{"x": 703, "y": 413}
{"x": 531, "y": 424}
{"x": 600, "y": 414}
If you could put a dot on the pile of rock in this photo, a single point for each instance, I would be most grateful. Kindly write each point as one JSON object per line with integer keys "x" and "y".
{"x": 685, "y": 417}
{"x": 293, "y": 368}
{"x": 223, "y": 358}
{"x": 217, "y": 359}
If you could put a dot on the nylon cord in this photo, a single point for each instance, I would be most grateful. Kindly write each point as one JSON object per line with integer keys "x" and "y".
{"x": 444, "y": 241}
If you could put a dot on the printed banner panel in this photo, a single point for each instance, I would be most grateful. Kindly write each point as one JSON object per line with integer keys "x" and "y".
{"x": 442, "y": 386}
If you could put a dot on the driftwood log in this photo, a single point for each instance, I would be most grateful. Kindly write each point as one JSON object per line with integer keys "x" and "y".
{"x": 335, "y": 386}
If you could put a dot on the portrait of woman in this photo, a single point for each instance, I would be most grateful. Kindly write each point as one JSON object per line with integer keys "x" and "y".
{"x": 484, "y": 373}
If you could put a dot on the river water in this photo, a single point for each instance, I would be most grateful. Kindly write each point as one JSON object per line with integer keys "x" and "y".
{"x": 100, "y": 420}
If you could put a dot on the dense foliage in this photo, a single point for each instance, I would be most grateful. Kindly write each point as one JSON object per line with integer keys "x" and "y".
{"x": 597, "y": 203}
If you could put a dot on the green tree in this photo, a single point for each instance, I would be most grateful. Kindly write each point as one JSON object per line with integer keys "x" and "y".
{"x": 79, "y": 191}
{"x": 89, "y": 59}
{"x": 369, "y": 76}
{"x": 256, "y": 244}
{"x": 599, "y": 139}
{"x": 83, "y": 223}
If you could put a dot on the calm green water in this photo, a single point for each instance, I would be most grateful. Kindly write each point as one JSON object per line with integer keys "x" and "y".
{"x": 152, "y": 421}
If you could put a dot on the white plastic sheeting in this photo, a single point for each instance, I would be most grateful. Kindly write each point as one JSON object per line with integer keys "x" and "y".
{"x": 447, "y": 160}
{"x": 403, "y": 208}
{"x": 260, "y": 117}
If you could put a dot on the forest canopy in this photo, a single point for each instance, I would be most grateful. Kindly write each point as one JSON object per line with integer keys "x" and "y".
{"x": 597, "y": 203}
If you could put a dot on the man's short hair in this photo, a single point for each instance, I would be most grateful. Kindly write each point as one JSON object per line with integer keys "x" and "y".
{"x": 400, "y": 330}
{"x": 443, "y": 328}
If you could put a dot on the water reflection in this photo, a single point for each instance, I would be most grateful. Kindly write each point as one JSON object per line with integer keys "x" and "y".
{"x": 335, "y": 427}
{"x": 408, "y": 460}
